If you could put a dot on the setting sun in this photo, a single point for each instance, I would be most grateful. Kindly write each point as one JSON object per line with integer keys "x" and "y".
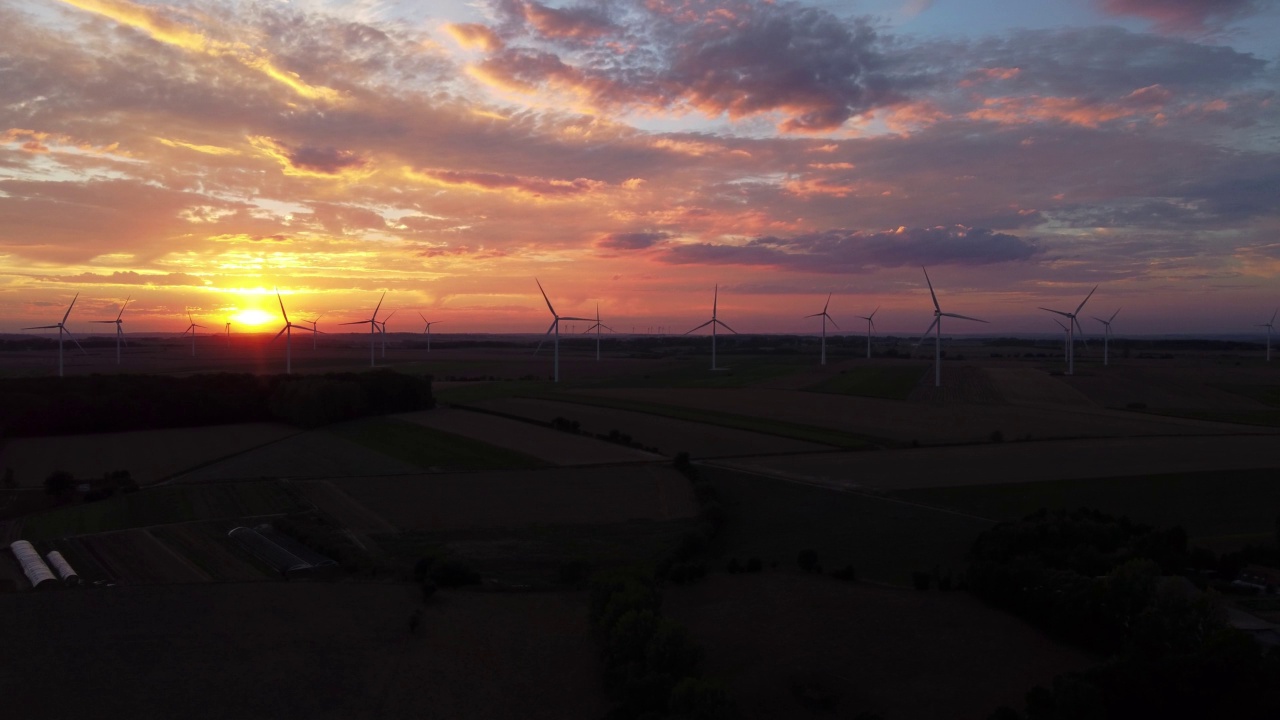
{"x": 252, "y": 317}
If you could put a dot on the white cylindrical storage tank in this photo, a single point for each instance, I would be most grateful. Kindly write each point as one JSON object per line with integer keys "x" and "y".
{"x": 62, "y": 567}
{"x": 37, "y": 572}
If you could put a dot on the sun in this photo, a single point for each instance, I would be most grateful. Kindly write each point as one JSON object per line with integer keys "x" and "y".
{"x": 252, "y": 316}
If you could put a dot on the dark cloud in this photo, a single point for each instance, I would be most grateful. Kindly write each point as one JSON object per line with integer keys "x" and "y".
{"x": 632, "y": 240}
{"x": 1181, "y": 16}
{"x": 844, "y": 251}
{"x": 324, "y": 160}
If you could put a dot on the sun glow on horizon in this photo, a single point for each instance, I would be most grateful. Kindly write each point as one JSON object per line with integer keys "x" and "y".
{"x": 253, "y": 317}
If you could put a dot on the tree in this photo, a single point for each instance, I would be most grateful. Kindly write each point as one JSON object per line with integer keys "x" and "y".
{"x": 59, "y": 483}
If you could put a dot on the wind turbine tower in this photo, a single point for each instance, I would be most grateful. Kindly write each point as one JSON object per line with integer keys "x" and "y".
{"x": 713, "y": 322}
{"x": 382, "y": 328}
{"x": 937, "y": 327}
{"x": 192, "y": 329}
{"x": 555, "y": 325}
{"x": 287, "y": 331}
{"x": 315, "y": 329}
{"x": 871, "y": 325}
{"x": 825, "y": 317}
{"x": 119, "y": 327}
{"x": 428, "y": 328}
{"x": 373, "y": 329}
{"x": 1072, "y": 325}
{"x": 1106, "y": 334}
{"x": 597, "y": 327}
{"x": 1269, "y": 325}
{"x": 62, "y": 328}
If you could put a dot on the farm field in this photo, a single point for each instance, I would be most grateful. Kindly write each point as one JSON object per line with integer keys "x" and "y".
{"x": 315, "y": 650}
{"x": 149, "y": 455}
{"x": 925, "y": 423}
{"x": 901, "y": 654}
{"x": 463, "y": 501}
{"x": 1020, "y": 462}
{"x": 891, "y": 382}
{"x": 669, "y": 435}
{"x": 136, "y": 557}
{"x": 341, "y": 507}
{"x": 428, "y": 448}
{"x": 551, "y": 446}
{"x": 316, "y": 453}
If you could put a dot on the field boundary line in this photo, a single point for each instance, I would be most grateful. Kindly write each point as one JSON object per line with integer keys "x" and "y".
{"x": 174, "y": 476}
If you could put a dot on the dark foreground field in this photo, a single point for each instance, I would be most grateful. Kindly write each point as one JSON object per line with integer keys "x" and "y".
{"x": 271, "y": 650}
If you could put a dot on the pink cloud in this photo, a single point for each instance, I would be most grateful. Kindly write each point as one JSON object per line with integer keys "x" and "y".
{"x": 1181, "y": 16}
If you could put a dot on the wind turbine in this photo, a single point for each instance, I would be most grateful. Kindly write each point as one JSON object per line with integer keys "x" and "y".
{"x": 62, "y": 328}
{"x": 1072, "y": 324}
{"x": 1106, "y": 333}
{"x": 871, "y": 325}
{"x": 555, "y": 325}
{"x": 315, "y": 329}
{"x": 937, "y": 324}
{"x": 1269, "y": 325}
{"x": 119, "y": 327}
{"x": 825, "y": 317}
{"x": 287, "y": 331}
{"x": 597, "y": 327}
{"x": 428, "y": 330}
{"x": 382, "y": 330}
{"x": 192, "y": 329}
{"x": 1066, "y": 337}
{"x": 373, "y": 328}
{"x": 713, "y": 322}
{"x": 228, "y": 331}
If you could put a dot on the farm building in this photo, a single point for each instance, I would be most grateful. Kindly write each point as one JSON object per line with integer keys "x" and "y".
{"x": 270, "y": 548}
{"x": 34, "y": 568}
{"x": 63, "y": 568}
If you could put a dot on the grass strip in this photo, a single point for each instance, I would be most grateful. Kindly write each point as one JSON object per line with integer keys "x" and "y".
{"x": 432, "y": 449}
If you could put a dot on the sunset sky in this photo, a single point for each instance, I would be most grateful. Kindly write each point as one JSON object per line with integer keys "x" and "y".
{"x": 635, "y": 153}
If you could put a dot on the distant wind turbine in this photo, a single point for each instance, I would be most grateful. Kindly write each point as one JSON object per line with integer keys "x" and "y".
{"x": 228, "y": 334}
{"x": 373, "y": 328}
{"x": 287, "y": 331}
{"x": 119, "y": 326}
{"x": 825, "y": 317}
{"x": 597, "y": 328}
{"x": 315, "y": 329}
{"x": 1106, "y": 333}
{"x": 555, "y": 325}
{"x": 713, "y": 322}
{"x": 1269, "y": 325}
{"x": 192, "y": 329}
{"x": 1072, "y": 325}
{"x": 62, "y": 328}
{"x": 871, "y": 325}
{"x": 382, "y": 327}
{"x": 1066, "y": 337}
{"x": 937, "y": 325}
{"x": 428, "y": 328}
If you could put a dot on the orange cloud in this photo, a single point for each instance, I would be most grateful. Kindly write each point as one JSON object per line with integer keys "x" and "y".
{"x": 37, "y": 141}
{"x": 1073, "y": 111}
{"x": 535, "y": 187}
{"x": 473, "y": 36}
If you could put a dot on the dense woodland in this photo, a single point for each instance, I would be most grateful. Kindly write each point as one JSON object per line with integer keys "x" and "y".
{"x": 113, "y": 403}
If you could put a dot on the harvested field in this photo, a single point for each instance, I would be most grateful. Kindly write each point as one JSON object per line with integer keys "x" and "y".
{"x": 342, "y": 508}
{"x": 313, "y": 650}
{"x": 891, "y": 382}
{"x": 1026, "y": 386}
{"x": 901, "y": 654}
{"x": 923, "y": 422}
{"x": 317, "y": 453}
{"x": 430, "y": 449}
{"x": 1020, "y": 462}
{"x": 136, "y": 557}
{"x": 211, "y": 551}
{"x": 669, "y": 435}
{"x": 149, "y": 455}
{"x": 533, "y": 497}
{"x": 552, "y": 446}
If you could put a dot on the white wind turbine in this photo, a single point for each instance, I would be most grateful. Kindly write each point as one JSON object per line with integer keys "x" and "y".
{"x": 287, "y": 331}
{"x": 713, "y": 322}
{"x": 428, "y": 329}
{"x": 192, "y": 329}
{"x": 373, "y": 328}
{"x": 555, "y": 325}
{"x": 1269, "y": 325}
{"x": 597, "y": 328}
{"x": 1106, "y": 333}
{"x": 871, "y": 325}
{"x": 382, "y": 330}
{"x": 119, "y": 327}
{"x": 315, "y": 329}
{"x": 937, "y": 326}
{"x": 62, "y": 328}
{"x": 1066, "y": 337}
{"x": 825, "y": 317}
{"x": 1072, "y": 324}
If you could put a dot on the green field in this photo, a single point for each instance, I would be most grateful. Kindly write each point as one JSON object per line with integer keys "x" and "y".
{"x": 165, "y": 504}
{"x": 735, "y": 371}
{"x": 891, "y": 383}
{"x": 882, "y": 539}
{"x": 430, "y": 449}
{"x": 1211, "y": 506}
{"x": 795, "y": 431}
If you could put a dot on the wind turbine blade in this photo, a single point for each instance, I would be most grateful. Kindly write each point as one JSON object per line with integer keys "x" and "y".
{"x": 282, "y": 312}
{"x": 544, "y": 336}
{"x": 1086, "y": 299}
{"x": 424, "y": 317}
{"x": 299, "y": 327}
{"x": 726, "y": 327}
{"x": 73, "y": 304}
{"x": 606, "y": 327}
{"x": 1273, "y": 316}
{"x": 42, "y": 327}
{"x": 715, "y": 300}
{"x": 963, "y": 317}
{"x": 1064, "y": 327}
{"x": 379, "y": 305}
{"x": 932, "y": 294}
{"x": 103, "y": 322}
{"x": 873, "y": 312}
{"x": 925, "y": 336}
{"x": 388, "y": 317}
{"x": 357, "y": 322}
{"x": 1083, "y": 339}
{"x": 1066, "y": 315}
{"x": 593, "y": 327}
{"x": 122, "y": 307}
{"x": 833, "y": 322}
{"x": 695, "y": 329}
{"x": 814, "y": 315}
{"x": 566, "y": 317}
{"x": 74, "y": 340}
{"x": 545, "y": 298}
{"x": 1114, "y": 314}
{"x": 827, "y": 304}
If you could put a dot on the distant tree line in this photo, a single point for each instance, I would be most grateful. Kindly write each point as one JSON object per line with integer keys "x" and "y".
{"x": 1113, "y": 586}
{"x": 107, "y": 403}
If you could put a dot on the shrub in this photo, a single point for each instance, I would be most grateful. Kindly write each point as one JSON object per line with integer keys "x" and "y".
{"x": 59, "y": 483}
